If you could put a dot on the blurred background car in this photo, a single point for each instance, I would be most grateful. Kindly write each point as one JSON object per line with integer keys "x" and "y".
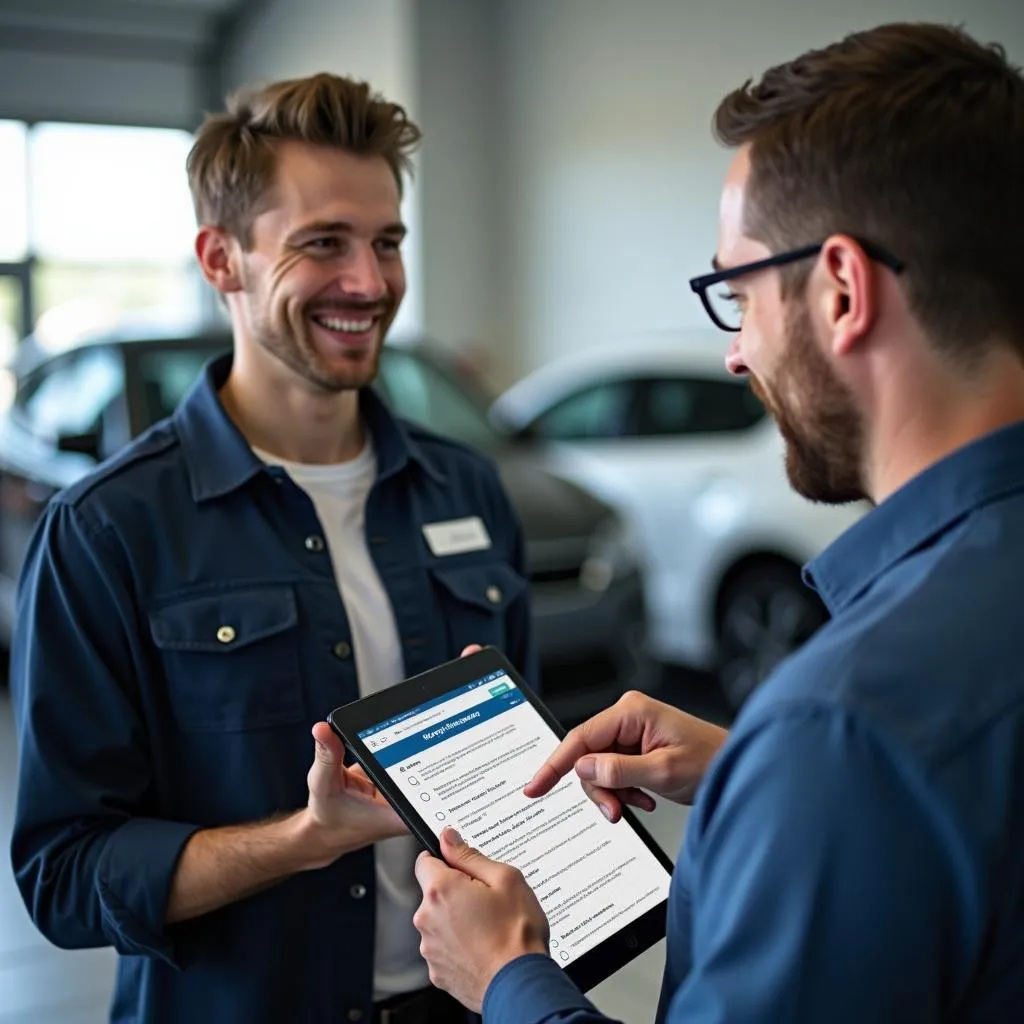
{"x": 686, "y": 452}
{"x": 66, "y": 410}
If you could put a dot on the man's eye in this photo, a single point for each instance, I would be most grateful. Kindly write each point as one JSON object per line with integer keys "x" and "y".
{"x": 388, "y": 244}
{"x": 322, "y": 244}
{"x": 737, "y": 301}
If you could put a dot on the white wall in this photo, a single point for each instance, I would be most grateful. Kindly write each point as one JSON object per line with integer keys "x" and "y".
{"x": 462, "y": 110}
{"x": 367, "y": 39}
{"x": 615, "y": 175}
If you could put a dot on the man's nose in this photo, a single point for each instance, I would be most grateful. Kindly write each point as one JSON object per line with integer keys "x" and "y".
{"x": 734, "y": 360}
{"x": 361, "y": 277}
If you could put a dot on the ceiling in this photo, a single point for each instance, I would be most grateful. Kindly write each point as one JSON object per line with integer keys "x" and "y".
{"x": 169, "y": 30}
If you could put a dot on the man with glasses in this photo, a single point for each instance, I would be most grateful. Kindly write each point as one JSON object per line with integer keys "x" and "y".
{"x": 854, "y": 851}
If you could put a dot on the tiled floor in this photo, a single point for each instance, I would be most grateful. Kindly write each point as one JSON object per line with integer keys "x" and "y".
{"x": 45, "y": 985}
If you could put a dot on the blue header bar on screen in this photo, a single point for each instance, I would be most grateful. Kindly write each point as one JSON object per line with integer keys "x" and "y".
{"x": 438, "y": 732}
{"x": 427, "y": 705}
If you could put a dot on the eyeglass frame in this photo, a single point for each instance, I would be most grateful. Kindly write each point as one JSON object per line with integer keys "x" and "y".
{"x": 702, "y": 283}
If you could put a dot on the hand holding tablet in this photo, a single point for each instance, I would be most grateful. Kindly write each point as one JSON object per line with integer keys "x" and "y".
{"x": 473, "y": 735}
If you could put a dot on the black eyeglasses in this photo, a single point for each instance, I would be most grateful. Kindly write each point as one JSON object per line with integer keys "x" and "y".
{"x": 722, "y": 307}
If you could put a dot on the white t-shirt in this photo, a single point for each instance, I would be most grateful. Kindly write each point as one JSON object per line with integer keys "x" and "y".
{"x": 339, "y": 493}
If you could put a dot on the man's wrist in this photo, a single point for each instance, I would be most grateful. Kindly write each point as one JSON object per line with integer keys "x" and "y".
{"x": 313, "y": 845}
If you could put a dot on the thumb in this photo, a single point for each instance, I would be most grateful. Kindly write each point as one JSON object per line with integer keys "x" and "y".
{"x": 620, "y": 771}
{"x": 459, "y": 854}
{"x": 329, "y": 751}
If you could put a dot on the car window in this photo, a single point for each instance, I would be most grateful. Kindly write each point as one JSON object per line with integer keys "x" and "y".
{"x": 164, "y": 378}
{"x": 686, "y": 405}
{"x": 417, "y": 390}
{"x": 70, "y": 394}
{"x": 600, "y": 411}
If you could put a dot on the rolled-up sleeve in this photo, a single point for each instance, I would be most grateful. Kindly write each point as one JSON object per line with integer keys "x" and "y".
{"x": 93, "y": 863}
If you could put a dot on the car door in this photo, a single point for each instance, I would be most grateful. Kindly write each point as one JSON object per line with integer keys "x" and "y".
{"x": 66, "y": 414}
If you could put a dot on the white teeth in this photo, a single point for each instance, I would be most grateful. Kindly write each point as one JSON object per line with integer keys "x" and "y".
{"x": 347, "y": 326}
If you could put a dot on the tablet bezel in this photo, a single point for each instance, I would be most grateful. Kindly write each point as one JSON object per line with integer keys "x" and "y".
{"x": 613, "y": 952}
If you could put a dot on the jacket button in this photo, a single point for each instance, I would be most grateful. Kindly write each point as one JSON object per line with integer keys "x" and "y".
{"x": 358, "y": 891}
{"x": 342, "y": 649}
{"x": 355, "y": 1014}
{"x": 226, "y": 634}
{"x": 493, "y": 594}
{"x": 314, "y": 543}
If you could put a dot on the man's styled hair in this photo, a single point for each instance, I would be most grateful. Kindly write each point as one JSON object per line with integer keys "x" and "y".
{"x": 232, "y": 163}
{"x": 910, "y": 136}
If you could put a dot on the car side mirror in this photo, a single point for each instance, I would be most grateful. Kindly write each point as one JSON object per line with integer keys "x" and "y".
{"x": 80, "y": 444}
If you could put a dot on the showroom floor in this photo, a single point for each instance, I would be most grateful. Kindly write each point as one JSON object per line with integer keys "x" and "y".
{"x": 40, "y": 983}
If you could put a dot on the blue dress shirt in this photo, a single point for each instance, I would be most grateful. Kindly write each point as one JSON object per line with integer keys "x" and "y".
{"x": 179, "y": 631}
{"x": 856, "y": 851}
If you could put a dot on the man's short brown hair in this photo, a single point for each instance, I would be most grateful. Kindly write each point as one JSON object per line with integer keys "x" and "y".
{"x": 910, "y": 136}
{"x": 233, "y": 160}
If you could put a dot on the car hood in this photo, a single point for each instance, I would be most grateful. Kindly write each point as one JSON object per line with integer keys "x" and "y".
{"x": 549, "y": 507}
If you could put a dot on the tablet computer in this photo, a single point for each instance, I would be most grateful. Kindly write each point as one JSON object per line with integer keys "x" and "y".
{"x": 455, "y": 746}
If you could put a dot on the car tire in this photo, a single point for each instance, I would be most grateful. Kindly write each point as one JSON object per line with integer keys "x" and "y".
{"x": 765, "y": 613}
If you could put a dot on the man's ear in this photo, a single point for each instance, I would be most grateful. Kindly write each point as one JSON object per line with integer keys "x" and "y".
{"x": 218, "y": 255}
{"x": 848, "y": 293}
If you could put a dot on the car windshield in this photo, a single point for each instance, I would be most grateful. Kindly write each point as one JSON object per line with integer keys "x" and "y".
{"x": 165, "y": 373}
{"x": 418, "y": 389}
{"x": 410, "y": 382}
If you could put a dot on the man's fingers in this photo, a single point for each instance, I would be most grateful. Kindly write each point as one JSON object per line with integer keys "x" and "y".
{"x": 429, "y": 870}
{"x": 610, "y": 804}
{"x": 471, "y": 649}
{"x": 618, "y": 724}
{"x": 459, "y": 854}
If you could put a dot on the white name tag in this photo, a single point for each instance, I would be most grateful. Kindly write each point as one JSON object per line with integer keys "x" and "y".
{"x": 457, "y": 536}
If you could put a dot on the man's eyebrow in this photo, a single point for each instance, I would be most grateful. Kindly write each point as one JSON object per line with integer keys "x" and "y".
{"x": 396, "y": 229}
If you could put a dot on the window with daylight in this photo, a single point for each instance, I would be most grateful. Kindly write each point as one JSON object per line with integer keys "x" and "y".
{"x": 96, "y": 224}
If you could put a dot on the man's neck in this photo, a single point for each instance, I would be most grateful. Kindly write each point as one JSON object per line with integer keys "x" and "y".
{"x": 916, "y": 434}
{"x": 293, "y": 422}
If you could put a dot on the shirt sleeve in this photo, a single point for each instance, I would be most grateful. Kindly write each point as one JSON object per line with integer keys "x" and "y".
{"x": 533, "y": 989}
{"x": 828, "y": 883}
{"x": 92, "y": 864}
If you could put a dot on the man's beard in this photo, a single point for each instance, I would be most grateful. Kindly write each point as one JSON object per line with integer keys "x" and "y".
{"x": 293, "y": 345}
{"x": 818, "y": 419}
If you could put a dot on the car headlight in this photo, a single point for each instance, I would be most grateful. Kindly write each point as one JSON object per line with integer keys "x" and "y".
{"x": 611, "y": 555}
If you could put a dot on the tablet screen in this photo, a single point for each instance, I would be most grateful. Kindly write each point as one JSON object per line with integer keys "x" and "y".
{"x": 462, "y": 759}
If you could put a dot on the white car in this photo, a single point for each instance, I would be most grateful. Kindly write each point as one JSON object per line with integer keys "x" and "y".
{"x": 661, "y": 431}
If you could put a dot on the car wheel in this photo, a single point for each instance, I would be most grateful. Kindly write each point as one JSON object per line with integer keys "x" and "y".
{"x": 765, "y": 613}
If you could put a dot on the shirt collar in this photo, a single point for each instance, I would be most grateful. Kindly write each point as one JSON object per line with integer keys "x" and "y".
{"x": 219, "y": 458}
{"x": 979, "y": 473}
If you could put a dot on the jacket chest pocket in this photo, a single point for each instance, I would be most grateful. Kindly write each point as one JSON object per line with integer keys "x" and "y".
{"x": 231, "y": 659}
{"x": 474, "y": 602}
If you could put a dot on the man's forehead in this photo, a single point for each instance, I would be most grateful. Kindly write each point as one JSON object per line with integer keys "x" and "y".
{"x": 321, "y": 181}
{"x": 732, "y": 206}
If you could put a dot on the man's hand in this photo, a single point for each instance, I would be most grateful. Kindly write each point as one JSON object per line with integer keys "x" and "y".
{"x": 638, "y": 742}
{"x": 345, "y": 810}
{"x": 476, "y": 916}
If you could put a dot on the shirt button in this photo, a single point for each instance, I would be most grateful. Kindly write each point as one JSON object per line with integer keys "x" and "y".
{"x": 493, "y": 594}
{"x": 358, "y": 891}
{"x": 342, "y": 649}
{"x": 314, "y": 543}
{"x": 226, "y": 634}
{"x": 355, "y": 1014}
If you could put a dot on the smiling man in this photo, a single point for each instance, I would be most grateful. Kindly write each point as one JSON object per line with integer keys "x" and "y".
{"x": 192, "y": 608}
{"x": 854, "y": 851}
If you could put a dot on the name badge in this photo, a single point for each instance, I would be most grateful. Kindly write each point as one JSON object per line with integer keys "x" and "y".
{"x": 457, "y": 536}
